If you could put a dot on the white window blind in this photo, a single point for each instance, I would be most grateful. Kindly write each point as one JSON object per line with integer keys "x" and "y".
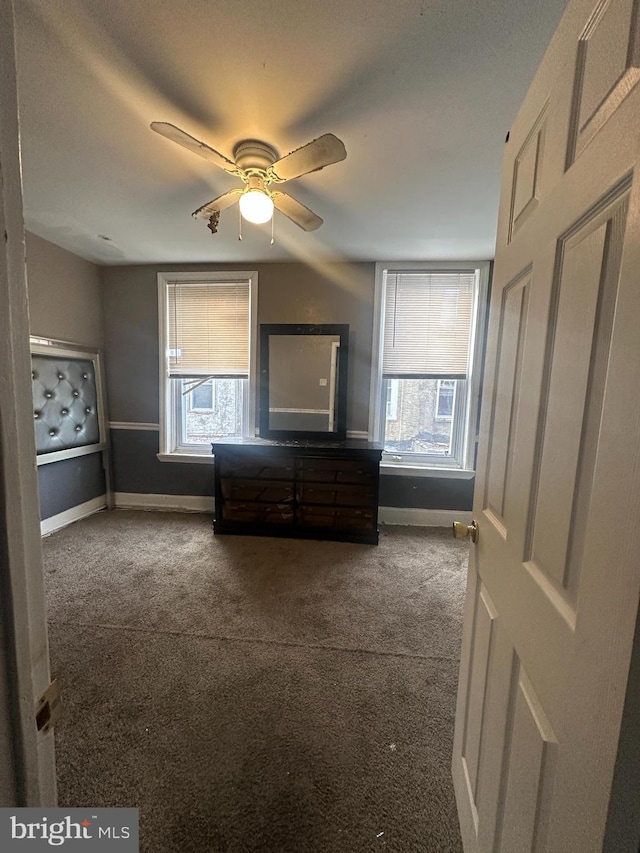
{"x": 208, "y": 329}
{"x": 427, "y": 324}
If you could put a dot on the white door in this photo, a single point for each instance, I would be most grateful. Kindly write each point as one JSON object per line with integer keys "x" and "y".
{"x": 554, "y": 576}
{"x": 27, "y": 773}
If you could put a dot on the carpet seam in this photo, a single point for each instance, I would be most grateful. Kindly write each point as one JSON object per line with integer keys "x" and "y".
{"x": 255, "y": 641}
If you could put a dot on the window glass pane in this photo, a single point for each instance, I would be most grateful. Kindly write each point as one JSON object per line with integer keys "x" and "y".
{"x": 444, "y": 405}
{"x": 224, "y": 416}
{"x": 202, "y": 396}
{"x": 423, "y": 421}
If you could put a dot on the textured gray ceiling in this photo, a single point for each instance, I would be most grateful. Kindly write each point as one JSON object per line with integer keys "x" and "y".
{"x": 422, "y": 92}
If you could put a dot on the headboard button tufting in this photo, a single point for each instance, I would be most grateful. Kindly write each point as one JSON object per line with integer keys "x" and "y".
{"x": 65, "y": 407}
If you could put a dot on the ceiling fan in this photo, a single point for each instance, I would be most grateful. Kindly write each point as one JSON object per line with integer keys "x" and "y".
{"x": 256, "y": 164}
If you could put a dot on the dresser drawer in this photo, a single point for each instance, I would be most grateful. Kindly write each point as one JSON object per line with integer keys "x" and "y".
{"x": 237, "y": 489}
{"x": 257, "y": 513}
{"x": 337, "y": 494}
{"x": 336, "y": 471}
{"x": 251, "y": 468}
{"x": 335, "y": 519}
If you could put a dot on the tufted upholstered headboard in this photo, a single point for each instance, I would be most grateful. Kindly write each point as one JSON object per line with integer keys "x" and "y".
{"x": 67, "y": 405}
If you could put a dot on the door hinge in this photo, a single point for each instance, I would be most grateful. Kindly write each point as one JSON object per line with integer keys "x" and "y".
{"x": 49, "y": 708}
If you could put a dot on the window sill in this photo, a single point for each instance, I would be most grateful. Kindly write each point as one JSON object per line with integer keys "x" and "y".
{"x": 198, "y": 458}
{"x": 408, "y": 470}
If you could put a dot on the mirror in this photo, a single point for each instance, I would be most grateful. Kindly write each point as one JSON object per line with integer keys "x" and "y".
{"x": 303, "y": 381}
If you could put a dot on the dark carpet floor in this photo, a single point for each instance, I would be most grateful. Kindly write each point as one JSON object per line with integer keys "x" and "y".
{"x": 253, "y": 694}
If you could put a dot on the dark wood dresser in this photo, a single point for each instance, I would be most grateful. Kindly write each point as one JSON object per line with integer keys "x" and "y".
{"x": 299, "y": 489}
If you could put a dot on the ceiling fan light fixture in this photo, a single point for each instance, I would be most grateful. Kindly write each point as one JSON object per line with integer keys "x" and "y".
{"x": 256, "y": 206}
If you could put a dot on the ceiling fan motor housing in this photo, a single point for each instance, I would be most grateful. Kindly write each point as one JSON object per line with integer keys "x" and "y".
{"x": 254, "y": 154}
{"x": 257, "y": 182}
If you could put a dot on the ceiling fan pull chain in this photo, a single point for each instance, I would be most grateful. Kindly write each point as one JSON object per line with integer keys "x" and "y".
{"x": 273, "y": 219}
{"x": 239, "y": 225}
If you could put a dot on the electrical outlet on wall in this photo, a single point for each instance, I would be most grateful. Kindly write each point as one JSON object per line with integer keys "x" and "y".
{"x": 323, "y": 382}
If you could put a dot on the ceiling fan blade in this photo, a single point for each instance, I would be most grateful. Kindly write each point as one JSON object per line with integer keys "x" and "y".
{"x": 218, "y": 204}
{"x": 170, "y": 131}
{"x": 296, "y": 212}
{"x": 314, "y": 155}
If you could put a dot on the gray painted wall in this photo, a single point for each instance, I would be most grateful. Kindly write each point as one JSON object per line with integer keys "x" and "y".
{"x": 137, "y": 469}
{"x": 65, "y": 303}
{"x": 426, "y": 492}
{"x": 65, "y": 295}
{"x": 69, "y": 483}
{"x": 287, "y": 293}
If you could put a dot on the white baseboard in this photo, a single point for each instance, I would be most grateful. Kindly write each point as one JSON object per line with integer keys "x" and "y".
{"x": 386, "y": 514}
{"x": 55, "y": 522}
{"x": 180, "y": 503}
{"x": 413, "y": 517}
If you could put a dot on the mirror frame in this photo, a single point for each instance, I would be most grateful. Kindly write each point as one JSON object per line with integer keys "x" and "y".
{"x": 337, "y": 329}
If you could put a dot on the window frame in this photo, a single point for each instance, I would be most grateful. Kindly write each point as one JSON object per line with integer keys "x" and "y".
{"x": 467, "y": 402}
{"x": 391, "y": 400}
{"x": 171, "y": 428}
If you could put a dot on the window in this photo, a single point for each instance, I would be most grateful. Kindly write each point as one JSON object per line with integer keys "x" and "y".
{"x": 445, "y": 396}
{"x": 207, "y": 355}
{"x": 425, "y": 378}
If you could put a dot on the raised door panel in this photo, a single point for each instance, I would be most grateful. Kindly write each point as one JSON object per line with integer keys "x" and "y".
{"x": 607, "y": 69}
{"x": 504, "y": 413}
{"x": 583, "y": 302}
{"x": 514, "y": 746}
{"x": 529, "y": 764}
{"x": 527, "y": 174}
{"x": 483, "y": 631}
